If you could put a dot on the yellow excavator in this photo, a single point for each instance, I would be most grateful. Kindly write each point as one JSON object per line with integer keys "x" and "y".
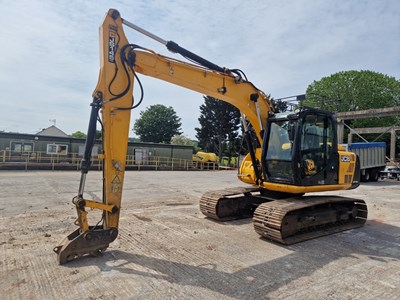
{"x": 290, "y": 153}
{"x": 207, "y": 157}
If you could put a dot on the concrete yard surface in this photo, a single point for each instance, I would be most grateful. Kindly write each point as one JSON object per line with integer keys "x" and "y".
{"x": 167, "y": 249}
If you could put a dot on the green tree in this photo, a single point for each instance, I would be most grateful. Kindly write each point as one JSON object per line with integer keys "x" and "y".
{"x": 157, "y": 124}
{"x": 356, "y": 90}
{"x": 219, "y": 131}
{"x": 179, "y": 139}
{"x": 279, "y": 105}
{"x": 78, "y": 135}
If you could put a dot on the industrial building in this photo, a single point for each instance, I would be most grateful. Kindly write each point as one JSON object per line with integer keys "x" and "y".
{"x": 53, "y": 149}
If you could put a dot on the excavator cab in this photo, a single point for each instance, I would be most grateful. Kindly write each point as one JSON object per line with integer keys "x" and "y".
{"x": 300, "y": 154}
{"x": 301, "y": 148}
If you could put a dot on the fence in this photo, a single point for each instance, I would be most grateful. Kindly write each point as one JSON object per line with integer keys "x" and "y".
{"x": 13, "y": 160}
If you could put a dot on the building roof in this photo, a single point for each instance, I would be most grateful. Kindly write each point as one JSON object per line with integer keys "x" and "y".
{"x": 52, "y": 131}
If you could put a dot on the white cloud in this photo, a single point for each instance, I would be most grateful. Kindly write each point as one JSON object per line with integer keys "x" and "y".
{"x": 49, "y": 54}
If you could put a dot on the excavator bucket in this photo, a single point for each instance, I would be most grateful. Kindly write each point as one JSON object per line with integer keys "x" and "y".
{"x": 92, "y": 242}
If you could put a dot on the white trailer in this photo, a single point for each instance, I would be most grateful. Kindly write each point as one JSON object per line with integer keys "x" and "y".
{"x": 372, "y": 158}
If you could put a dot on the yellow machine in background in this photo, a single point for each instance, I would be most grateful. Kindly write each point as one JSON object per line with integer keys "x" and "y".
{"x": 201, "y": 156}
{"x": 290, "y": 153}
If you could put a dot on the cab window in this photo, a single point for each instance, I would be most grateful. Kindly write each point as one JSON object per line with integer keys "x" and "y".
{"x": 278, "y": 158}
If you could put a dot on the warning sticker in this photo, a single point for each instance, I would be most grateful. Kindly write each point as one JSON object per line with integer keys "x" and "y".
{"x": 116, "y": 185}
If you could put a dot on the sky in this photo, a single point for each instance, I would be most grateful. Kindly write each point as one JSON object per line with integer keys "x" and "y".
{"x": 49, "y": 54}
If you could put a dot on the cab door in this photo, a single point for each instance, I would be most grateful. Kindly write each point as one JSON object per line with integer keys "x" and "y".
{"x": 318, "y": 158}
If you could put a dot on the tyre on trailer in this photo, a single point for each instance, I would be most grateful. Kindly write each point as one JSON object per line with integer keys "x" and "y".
{"x": 374, "y": 175}
{"x": 366, "y": 176}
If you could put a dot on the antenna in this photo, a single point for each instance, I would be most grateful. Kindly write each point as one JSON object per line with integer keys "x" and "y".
{"x": 54, "y": 121}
